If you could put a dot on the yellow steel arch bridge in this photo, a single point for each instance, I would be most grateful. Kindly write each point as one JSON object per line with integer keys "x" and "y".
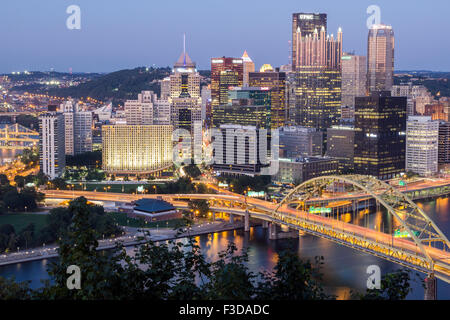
{"x": 16, "y": 136}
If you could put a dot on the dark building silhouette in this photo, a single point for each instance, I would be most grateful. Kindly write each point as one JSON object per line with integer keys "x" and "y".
{"x": 380, "y": 135}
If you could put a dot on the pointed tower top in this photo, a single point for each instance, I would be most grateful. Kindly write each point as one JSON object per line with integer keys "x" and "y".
{"x": 184, "y": 60}
{"x": 245, "y": 57}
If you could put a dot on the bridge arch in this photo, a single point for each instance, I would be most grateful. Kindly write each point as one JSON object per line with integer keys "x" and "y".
{"x": 412, "y": 218}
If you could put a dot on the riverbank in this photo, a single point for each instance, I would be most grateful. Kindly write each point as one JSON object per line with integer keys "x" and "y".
{"x": 132, "y": 237}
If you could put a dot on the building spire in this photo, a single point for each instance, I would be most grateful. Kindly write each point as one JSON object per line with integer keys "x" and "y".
{"x": 184, "y": 48}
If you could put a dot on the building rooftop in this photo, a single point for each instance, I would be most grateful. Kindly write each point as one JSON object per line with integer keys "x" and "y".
{"x": 153, "y": 206}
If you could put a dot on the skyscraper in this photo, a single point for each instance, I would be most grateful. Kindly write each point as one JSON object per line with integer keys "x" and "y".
{"x": 317, "y": 79}
{"x": 78, "y": 128}
{"x": 52, "y": 156}
{"x": 380, "y": 58}
{"x": 354, "y": 78}
{"x": 444, "y": 143}
{"x": 341, "y": 145}
{"x": 422, "y": 140}
{"x": 307, "y": 23}
{"x": 225, "y": 72}
{"x": 247, "y": 107}
{"x": 186, "y": 107}
{"x": 380, "y": 135}
{"x": 249, "y": 66}
{"x": 275, "y": 81}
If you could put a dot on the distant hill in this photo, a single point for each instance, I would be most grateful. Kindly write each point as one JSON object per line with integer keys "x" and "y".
{"x": 116, "y": 86}
{"x": 438, "y": 83}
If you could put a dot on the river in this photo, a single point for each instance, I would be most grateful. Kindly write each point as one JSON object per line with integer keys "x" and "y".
{"x": 344, "y": 269}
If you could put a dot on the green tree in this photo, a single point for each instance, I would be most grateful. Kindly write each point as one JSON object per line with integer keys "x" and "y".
{"x": 4, "y": 180}
{"x": 12, "y": 290}
{"x": 292, "y": 279}
{"x": 393, "y": 286}
{"x": 199, "y": 207}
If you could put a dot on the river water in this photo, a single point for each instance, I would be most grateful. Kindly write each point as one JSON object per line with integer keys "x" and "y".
{"x": 344, "y": 269}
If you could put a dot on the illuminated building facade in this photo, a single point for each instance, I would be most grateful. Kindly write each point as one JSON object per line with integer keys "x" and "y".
{"x": 354, "y": 78}
{"x": 380, "y": 58}
{"x": 185, "y": 99}
{"x": 317, "y": 73}
{"x": 444, "y": 143}
{"x": 52, "y": 155}
{"x": 380, "y": 135}
{"x": 246, "y": 107}
{"x": 225, "y": 72}
{"x": 275, "y": 81}
{"x": 341, "y": 146}
{"x": 307, "y": 23}
{"x": 249, "y": 66}
{"x": 78, "y": 128}
{"x": 422, "y": 141}
{"x": 297, "y": 141}
{"x": 317, "y": 97}
{"x": 134, "y": 149}
{"x": 298, "y": 170}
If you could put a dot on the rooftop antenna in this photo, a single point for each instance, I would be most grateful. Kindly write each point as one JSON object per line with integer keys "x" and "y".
{"x": 184, "y": 48}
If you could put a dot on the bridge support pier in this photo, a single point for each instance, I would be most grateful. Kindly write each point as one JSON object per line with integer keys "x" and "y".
{"x": 247, "y": 222}
{"x": 430, "y": 288}
{"x": 273, "y": 232}
{"x": 277, "y": 232}
{"x": 213, "y": 216}
{"x": 265, "y": 224}
{"x": 231, "y": 217}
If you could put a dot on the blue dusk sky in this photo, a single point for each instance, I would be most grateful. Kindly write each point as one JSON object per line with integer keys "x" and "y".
{"x": 125, "y": 34}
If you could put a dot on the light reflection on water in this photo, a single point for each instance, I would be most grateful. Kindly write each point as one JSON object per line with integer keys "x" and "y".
{"x": 344, "y": 268}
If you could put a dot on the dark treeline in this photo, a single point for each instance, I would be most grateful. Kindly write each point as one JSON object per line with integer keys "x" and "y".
{"x": 57, "y": 225}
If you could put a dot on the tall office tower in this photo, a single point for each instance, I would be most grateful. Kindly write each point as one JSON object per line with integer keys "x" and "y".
{"x": 413, "y": 93}
{"x": 140, "y": 111}
{"x": 275, "y": 81}
{"x": 422, "y": 141}
{"x": 206, "y": 104}
{"x": 68, "y": 108}
{"x": 52, "y": 156}
{"x": 354, "y": 78}
{"x": 225, "y": 71}
{"x": 249, "y": 66}
{"x": 380, "y": 135}
{"x": 82, "y": 132}
{"x": 341, "y": 145}
{"x": 444, "y": 143}
{"x": 307, "y": 23}
{"x": 78, "y": 128}
{"x": 186, "y": 104}
{"x": 137, "y": 148}
{"x": 247, "y": 107}
{"x": 317, "y": 79}
{"x": 380, "y": 58}
{"x": 165, "y": 89}
{"x": 296, "y": 141}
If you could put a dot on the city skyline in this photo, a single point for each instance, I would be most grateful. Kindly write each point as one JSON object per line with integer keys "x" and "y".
{"x": 40, "y": 42}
